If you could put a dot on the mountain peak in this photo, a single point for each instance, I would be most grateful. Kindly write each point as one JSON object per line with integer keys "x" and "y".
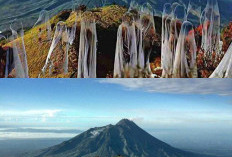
{"x": 125, "y": 122}
{"x": 124, "y": 138}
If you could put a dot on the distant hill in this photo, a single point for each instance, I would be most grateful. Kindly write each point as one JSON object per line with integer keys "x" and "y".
{"x": 28, "y": 10}
{"x": 123, "y": 139}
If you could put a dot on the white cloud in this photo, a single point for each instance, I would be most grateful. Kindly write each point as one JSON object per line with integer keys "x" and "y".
{"x": 27, "y": 135}
{"x": 221, "y": 87}
{"x": 28, "y": 113}
{"x": 39, "y": 115}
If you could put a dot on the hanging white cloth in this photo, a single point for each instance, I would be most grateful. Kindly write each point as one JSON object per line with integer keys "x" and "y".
{"x": 194, "y": 12}
{"x": 60, "y": 36}
{"x": 71, "y": 33}
{"x": 224, "y": 69}
{"x": 19, "y": 51}
{"x": 210, "y": 20}
{"x": 87, "y": 61}
{"x": 135, "y": 10}
{"x": 148, "y": 34}
{"x": 185, "y": 58}
{"x": 173, "y": 17}
{"x": 126, "y": 51}
{"x": 166, "y": 54}
{"x": 44, "y": 19}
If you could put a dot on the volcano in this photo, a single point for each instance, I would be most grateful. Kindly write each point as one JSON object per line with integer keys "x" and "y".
{"x": 123, "y": 139}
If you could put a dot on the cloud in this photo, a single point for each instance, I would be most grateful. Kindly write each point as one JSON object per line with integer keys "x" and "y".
{"x": 28, "y": 135}
{"x": 169, "y": 118}
{"x": 47, "y": 113}
{"x": 137, "y": 119}
{"x": 221, "y": 87}
{"x": 42, "y": 130}
{"x": 41, "y": 115}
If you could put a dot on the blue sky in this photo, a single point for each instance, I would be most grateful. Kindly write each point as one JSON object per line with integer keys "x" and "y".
{"x": 162, "y": 107}
{"x": 89, "y": 98}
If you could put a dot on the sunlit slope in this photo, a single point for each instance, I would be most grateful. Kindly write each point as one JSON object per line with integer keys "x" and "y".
{"x": 37, "y": 49}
